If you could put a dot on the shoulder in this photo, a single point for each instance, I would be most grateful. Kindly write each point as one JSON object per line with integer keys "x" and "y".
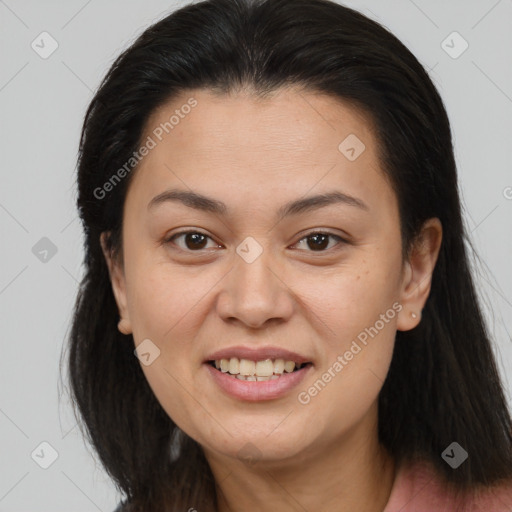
{"x": 418, "y": 488}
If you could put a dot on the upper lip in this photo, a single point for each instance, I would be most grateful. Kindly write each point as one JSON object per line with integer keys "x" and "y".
{"x": 257, "y": 354}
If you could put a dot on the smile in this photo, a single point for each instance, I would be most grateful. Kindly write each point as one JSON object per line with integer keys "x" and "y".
{"x": 256, "y": 371}
{"x": 249, "y": 380}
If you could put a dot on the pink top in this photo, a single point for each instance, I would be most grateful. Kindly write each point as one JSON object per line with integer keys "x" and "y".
{"x": 417, "y": 488}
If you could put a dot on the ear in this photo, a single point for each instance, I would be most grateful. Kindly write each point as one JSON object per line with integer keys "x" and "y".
{"x": 117, "y": 279}
{"x": 417, "y": 275}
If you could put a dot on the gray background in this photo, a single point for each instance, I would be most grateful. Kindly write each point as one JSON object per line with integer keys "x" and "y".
{"x": 43, "y": 102}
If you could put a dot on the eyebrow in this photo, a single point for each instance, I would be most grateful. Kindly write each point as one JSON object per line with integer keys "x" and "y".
{"x": 296, "y": 207}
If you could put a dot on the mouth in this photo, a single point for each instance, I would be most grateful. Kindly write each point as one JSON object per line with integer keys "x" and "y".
{"x": 257, "y": 374}
{"x": 257, "y": 381}
{"x": 256, "y": 371}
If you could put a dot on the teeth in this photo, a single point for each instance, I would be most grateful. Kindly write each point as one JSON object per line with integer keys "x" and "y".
{"x": 289, "y": 366}
{"x": 279, "y": 366}
{"x": 245, "y": 369}
{"x": 234, "y": 366}
{"x": 251, "y": 377}
{"x": 265, "y": 368}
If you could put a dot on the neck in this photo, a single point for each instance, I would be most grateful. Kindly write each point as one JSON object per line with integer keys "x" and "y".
{"x": 353, "y": 472}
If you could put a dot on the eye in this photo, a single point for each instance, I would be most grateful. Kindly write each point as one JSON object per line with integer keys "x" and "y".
{"x": 320, "y": 240}
{"x": 193, "y": 240}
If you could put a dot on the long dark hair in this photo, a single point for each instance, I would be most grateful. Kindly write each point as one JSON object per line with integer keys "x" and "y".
{"x": 443, "y": 384}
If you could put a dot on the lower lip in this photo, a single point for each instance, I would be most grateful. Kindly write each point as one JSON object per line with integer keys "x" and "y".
{"x": 257, "y": 390}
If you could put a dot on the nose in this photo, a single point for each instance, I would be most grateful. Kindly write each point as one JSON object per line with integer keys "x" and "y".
{"x": 255, "y": 293}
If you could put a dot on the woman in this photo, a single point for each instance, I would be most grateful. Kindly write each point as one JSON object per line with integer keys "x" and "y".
{"x": 277, "y": 310}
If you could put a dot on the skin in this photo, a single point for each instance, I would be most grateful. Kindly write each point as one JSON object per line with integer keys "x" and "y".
{"x": 255, "y": 155}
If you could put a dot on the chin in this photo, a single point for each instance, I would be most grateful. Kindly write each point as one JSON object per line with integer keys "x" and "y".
{"x": 264, "y": 445}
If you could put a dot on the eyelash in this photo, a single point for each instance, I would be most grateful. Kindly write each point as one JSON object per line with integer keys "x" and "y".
{"x": 341, "y": 241}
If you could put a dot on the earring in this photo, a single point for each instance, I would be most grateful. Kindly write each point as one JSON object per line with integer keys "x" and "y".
{"x": 414, "y": 315}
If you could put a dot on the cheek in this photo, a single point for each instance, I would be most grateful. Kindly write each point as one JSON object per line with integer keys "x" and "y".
{"x": 357, "y": 307}
{"x": 353, "y": 296}
{"x": 356, "y": 320}
{"x": 162, "y": 299}
{"x": 164, "y": 307}
{"x": 353, "y": 375}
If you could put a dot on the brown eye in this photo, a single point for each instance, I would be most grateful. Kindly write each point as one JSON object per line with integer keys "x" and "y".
{"x": 319, "y": 241}
{"x": 192, "y": 240}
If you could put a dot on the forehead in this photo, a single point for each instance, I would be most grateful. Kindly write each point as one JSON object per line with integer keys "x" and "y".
{"x": 291, "y": 121}
{"x": 293, "y": 140}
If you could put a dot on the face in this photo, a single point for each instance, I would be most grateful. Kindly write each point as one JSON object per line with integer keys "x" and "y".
{"x": 265, "y": 266}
